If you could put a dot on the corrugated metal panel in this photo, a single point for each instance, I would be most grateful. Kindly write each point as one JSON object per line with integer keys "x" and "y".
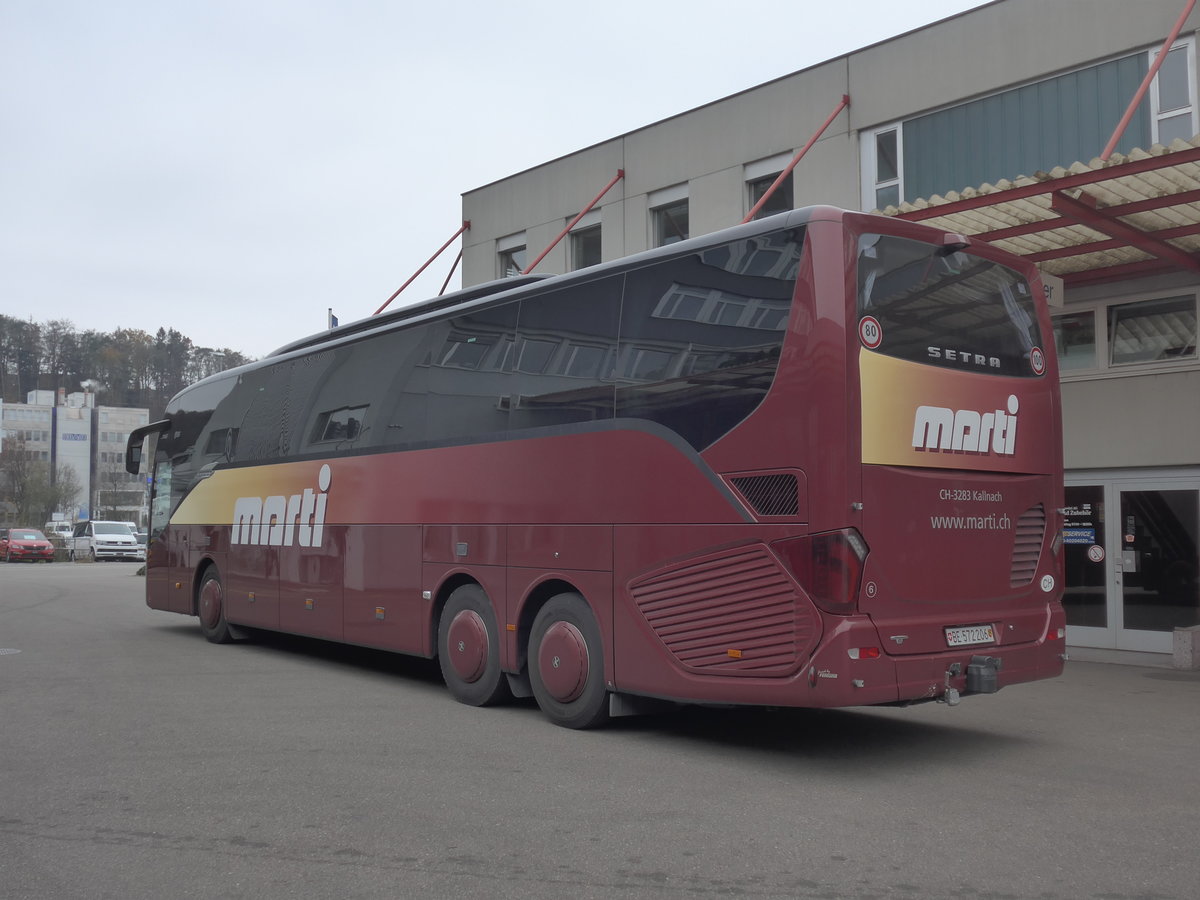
{"x": 1027, "y": 129}
{"x": 1159, "y": 186}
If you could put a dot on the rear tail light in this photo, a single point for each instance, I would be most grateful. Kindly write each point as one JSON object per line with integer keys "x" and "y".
{"x": 864, "y": 652}
{"x": 828, "y": 566}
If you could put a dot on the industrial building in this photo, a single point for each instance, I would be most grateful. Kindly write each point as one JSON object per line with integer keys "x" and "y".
{"x": 70, "y": 431}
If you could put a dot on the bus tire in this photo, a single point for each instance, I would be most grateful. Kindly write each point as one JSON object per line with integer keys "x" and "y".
{"x": 210, "y": 607}
{"x": 469, "y": 648}
{"x": 566, "y": 663}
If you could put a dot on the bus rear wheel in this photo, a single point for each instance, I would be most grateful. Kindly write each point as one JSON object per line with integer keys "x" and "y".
{"x": 469, "y": 648}
{"x": 210, "y": 607}
{"x": 566, "y": 663}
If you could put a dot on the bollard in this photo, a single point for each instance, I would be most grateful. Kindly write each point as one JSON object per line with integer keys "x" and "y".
{"x": 1187, "y": 647}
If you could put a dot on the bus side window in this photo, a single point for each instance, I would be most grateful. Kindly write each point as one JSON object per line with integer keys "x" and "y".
{"x": 467, "y": 376}
{"x": 565, "y": 351}
{"x": 701, "y": 335}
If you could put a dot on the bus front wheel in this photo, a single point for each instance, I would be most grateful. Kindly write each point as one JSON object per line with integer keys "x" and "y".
{"x": 566, "y": 663}
{"x": 210, "y": 607}
{"x": 469, "y": 648}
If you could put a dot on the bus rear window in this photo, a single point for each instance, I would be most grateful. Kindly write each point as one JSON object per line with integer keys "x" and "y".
{"x": 947, "y": 308}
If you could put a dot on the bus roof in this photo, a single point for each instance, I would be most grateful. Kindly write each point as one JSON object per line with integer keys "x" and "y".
{"x": 493, "y": 289}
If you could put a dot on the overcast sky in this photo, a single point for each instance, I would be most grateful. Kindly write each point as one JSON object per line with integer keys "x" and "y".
{"x": 232, "y": 168}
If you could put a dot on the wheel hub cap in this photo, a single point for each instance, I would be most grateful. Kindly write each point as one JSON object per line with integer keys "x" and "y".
{"x": 210, "y": 603}
{"x": 468, "y": 645}
{"x": 563, "y": 661}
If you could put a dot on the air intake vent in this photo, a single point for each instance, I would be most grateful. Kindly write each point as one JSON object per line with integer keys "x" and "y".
{"x": 1027, "y": 548}
{"x": 734, "y": 612}
{"x": 769, "y": 495}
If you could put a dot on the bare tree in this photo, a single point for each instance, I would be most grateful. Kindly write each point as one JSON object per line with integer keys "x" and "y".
{"x": 67, "y": 489}
{"x": 25, "y": 483}
{"x": 117, "y": 498}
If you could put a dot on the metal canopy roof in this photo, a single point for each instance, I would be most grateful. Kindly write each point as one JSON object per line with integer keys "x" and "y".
{"x": 1136, "y": 214}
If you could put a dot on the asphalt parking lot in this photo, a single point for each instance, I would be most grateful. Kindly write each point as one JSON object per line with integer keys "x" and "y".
{"x": 140, "y": 761}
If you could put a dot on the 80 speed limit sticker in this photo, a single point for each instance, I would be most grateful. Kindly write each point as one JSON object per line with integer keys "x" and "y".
{"x": 870, "y": 332}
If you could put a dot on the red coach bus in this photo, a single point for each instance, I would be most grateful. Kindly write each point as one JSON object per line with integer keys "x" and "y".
{"x": 811, "y": 461}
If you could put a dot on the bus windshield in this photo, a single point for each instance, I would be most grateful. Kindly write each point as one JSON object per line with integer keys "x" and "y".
{"x": 947, "y": 308}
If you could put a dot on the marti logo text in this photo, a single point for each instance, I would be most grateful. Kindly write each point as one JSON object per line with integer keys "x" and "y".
{"x": 938, "y": 428}
{"x": 283, "y": 521}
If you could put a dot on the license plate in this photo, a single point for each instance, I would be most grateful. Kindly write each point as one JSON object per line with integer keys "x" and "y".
{"x": 971, "y": 634}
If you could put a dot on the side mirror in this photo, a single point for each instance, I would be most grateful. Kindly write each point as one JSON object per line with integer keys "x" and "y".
{"x": 133, "y": 459}
{"x": 133, "y": 448}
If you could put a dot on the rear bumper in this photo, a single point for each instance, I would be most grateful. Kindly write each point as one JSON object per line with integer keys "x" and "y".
{"x": 929, "y": 677}
{"x": 837, "y": 678}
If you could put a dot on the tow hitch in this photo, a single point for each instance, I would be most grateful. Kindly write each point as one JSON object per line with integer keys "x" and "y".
{"x": 982, "y": 678}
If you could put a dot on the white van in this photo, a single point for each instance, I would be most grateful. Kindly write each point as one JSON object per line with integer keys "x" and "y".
{"x": 105, "y": 540}
{"x": 61, "y": 530}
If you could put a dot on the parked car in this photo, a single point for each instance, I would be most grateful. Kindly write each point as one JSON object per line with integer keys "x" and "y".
{"x": 105, "y": 540}
{"x": 18, "y": 544}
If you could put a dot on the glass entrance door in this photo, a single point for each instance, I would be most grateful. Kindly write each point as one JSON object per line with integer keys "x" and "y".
{"x": 1157, "y": 570}
{"x": 1085, "y": 552}
{"x": 1130, "y": 547}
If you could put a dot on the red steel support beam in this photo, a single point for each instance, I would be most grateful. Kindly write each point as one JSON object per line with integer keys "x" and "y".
{"x": 1086, "y": 213}
{"x": 1141, "y": 91}
{"x": 1116, "y": 273}
{"x": 1125, "y": 209}
{"x": 583, "y": 212}
{"x": 450, "y": 274}
{"x": 1111, "y": 244}
{"x": 465, "y": 226}
{"x": 799, "y": 156}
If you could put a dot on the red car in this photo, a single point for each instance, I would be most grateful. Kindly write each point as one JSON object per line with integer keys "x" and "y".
{"x": 25, "y": 543}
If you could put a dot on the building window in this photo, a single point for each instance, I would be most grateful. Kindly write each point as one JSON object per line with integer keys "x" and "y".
{"x": 670, "y": 223}
{"x": 585, "y": 247}
{"x": 779, "y": 201}
{"x": 669, "y": 216}
{"x": 1173, "y": 95}
{"x": 1075, "y": 340}
{"x": 512, "y": 262}
{"x": 887, "y": 169}
{"x": 1152, "y": 331}
{"x": 1136, "y": 335}
{"x": 510, "y": 253}
{"x": 585, "y": 241}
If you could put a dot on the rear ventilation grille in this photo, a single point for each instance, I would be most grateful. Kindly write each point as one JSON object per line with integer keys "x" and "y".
{"x": 1027, "y": 548}
{"x": 735, "y": 612}
{"x": 769, "y": 495}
